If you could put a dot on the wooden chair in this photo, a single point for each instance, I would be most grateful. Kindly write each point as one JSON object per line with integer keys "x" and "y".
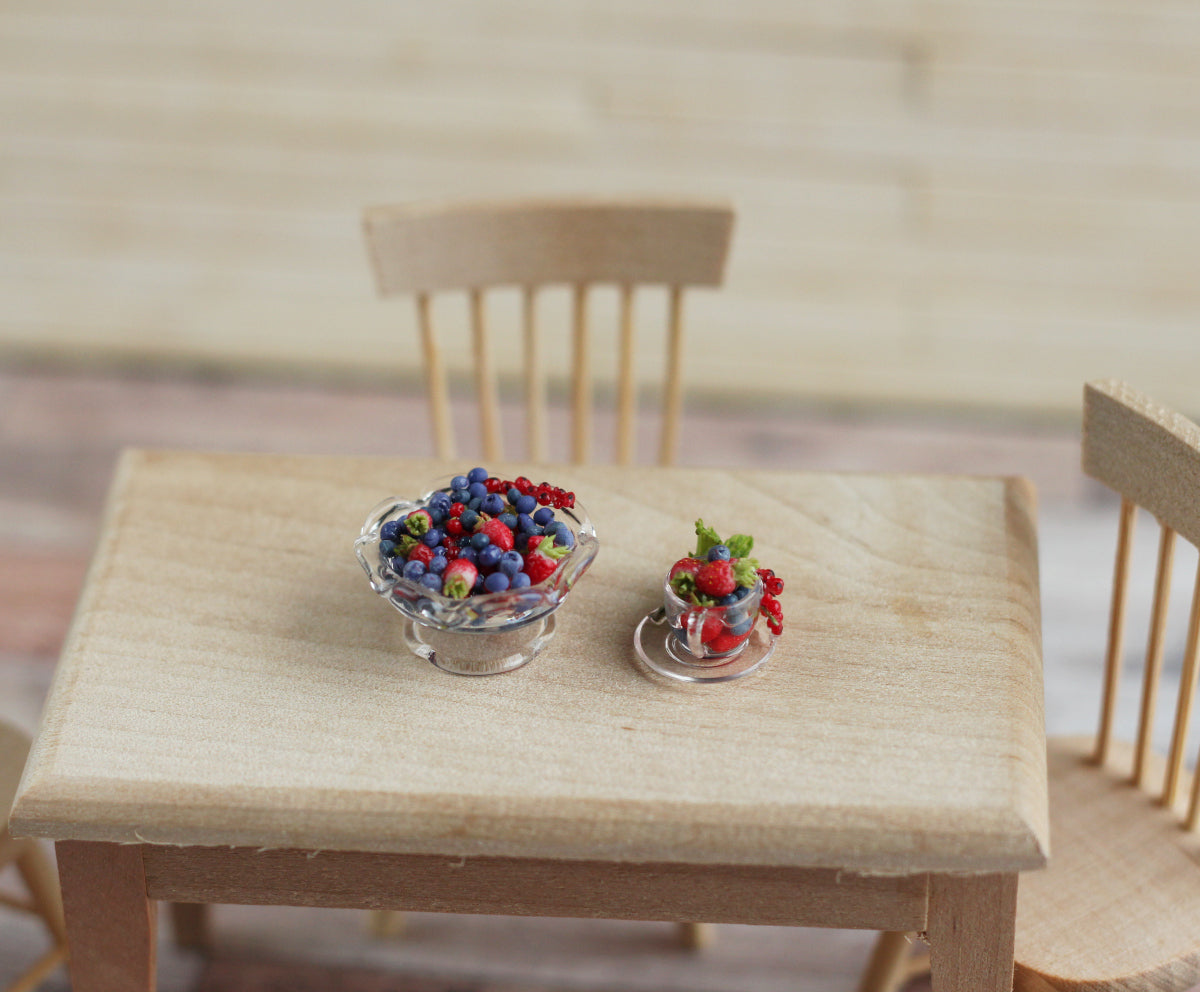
{"x": 32, "y": 866}
{"x": 1118, "y": 908}
{"x": 423, "y": 250}
{"x": 532, "y": 244}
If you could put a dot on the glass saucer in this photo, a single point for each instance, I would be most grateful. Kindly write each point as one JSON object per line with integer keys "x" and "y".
{"x": 653, "y": 642}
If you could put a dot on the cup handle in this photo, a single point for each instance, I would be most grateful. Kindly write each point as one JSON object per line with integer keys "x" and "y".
{"x": 694, "y": 624}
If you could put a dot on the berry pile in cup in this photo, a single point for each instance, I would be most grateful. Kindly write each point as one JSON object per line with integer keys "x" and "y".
{"x": 481, "y": 534}
{"x": 722, "y": 573}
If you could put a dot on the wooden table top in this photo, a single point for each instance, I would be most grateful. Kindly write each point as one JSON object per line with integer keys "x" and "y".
{"x": 230, "y": 679}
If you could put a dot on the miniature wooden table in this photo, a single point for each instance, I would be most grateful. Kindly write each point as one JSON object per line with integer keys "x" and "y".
{"x": 235, "y": 718}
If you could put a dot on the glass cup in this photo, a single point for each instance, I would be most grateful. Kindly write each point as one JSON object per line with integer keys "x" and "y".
{"x": 709, "y": 635}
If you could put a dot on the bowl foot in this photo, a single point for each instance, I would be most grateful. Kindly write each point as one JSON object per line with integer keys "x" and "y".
{"x": 479, "y": 652}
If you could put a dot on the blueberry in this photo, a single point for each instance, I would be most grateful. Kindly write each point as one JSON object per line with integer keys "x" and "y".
{"x": 437, "y": 564}
{"x": 489, "y": 557}
{"x": 441, "y": 498}
{"x": 525, "y": 524}
{"x": 496, "y": 582}
{"x": 718, "y": 552}
{"x": 468, "y": 520}
{"x": 390, "y": 530}
{"x": 461, "y": 495}
{"x": 478, "y": 474}
{"x": 527, "y": 504}
{"x": 513, "y": 495}
{"x": 387, "y": 549}
{"x": 741, "y": 592}
{"x": 493, "y": 504}
{"x": 477, "y": 490}
{"x": 509, "y": 520}
{"x": 397, "y": 564}
{"x": 543, "y": 516}
{"x": 413, "y": 570}
{"x": 728, "y": 600}
{"x": 431, "y": 581}
{"x": 437, "y": 514}
{"x": 459, "y": 482}
{"x": 480, "y": 541}
{"x": 478, "y": 586}
{"x": 468, "y": 552}
{"x": 521, "y": 581}
{"x": 738, "y": 629}
{"x": 563, "y": 536}
{"x": 511, "y": 563}
{"x": 432, "y": 537}
{"x": 474, "y": 503}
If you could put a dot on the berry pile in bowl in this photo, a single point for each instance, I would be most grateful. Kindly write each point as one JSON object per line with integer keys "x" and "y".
{"x": 477, "y": 553}
{"x": 713, "y": 599}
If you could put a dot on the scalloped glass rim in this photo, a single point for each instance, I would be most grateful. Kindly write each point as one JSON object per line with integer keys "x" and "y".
{"x": 488, "y": 611}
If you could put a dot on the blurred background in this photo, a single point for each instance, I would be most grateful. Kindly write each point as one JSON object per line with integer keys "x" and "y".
{"x": 951, "y": 213}
{"x": 954, "y": 202}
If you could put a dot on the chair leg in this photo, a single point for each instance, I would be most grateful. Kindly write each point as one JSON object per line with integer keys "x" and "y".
{"x": 42, "y": 882}
{"x": 386, "y": 923}
{"x": 889, "y": 967}
{"x": 697, "y": 936}
{"x": 190, "y": 924}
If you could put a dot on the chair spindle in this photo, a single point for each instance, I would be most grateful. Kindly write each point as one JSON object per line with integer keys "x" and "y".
{"x": 485, "y": 381}
{"x": 1154, "y": 652}
{"x": 673, "y": 395}
{"x": 1183, "y": 703}
{"x": 581, "y": 378}
{"x": 1116, "y": 629}
{"x": 535, "y": 386}
{"x": 626, "y": 396}
{"x": 435, "y": 381}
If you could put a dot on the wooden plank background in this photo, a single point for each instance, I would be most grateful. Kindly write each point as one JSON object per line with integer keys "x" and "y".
{"x": 948, "y": 201}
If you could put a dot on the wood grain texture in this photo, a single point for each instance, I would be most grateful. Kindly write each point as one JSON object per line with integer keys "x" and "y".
{"x": 1121, "y": 896}
{"x": 897, "y": 729}
{"x": 112, "y": 950}
{"x": 920, "y": 184}
{"x": 1145, "y": 451}
{"x": 430, "y": 247}
{"x": 536, "y": 887}
{"x": 971, "y": 921}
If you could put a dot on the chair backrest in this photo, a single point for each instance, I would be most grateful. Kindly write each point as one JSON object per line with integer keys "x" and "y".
{"x": 1151, "y": 457}
{"x": 424, "y": 249}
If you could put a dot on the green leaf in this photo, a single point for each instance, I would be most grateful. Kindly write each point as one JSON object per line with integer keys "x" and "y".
{"x": 740, "y": 545}
{"x": 706, "y": 538}
{"x": 745, "y": 572}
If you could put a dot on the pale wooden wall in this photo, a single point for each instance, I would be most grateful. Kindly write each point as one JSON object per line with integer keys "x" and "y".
{"x": 946, "y": 200}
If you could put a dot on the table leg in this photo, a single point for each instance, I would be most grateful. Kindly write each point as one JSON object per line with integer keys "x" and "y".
{"x": 972, "y": 922}
{"x": 191, "y": 923}
{"x": 111, "y": 924}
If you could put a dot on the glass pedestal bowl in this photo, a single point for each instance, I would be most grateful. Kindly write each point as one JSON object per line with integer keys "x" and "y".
{"x": 485, "y": 633}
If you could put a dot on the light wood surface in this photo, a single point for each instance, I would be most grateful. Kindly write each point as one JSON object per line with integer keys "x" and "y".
{"x": 1119, "y": 908}
{"x": 913, "y": 629}
{"x": 420, "y": 249}
{"x": 952, "y": 200}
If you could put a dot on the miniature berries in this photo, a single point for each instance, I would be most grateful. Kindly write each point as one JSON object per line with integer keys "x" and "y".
{"x": 720, "y": 574}
{"x": 480, "y": 534}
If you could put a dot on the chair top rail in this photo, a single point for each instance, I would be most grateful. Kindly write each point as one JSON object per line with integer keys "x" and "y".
{"x": 424, "y": 248}
{"x": 1147, "y": 453}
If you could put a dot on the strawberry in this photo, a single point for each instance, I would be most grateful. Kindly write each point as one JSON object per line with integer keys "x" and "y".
{"x": 726, "y": 642}
{"x": 498, "y": 534}
{"x": 459, "y": 579}
{"x": 422, "y": 553}
{"x": 716, "y": 578}
{"x": 541, "y": 561}
{"x": 418, "y": 522}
